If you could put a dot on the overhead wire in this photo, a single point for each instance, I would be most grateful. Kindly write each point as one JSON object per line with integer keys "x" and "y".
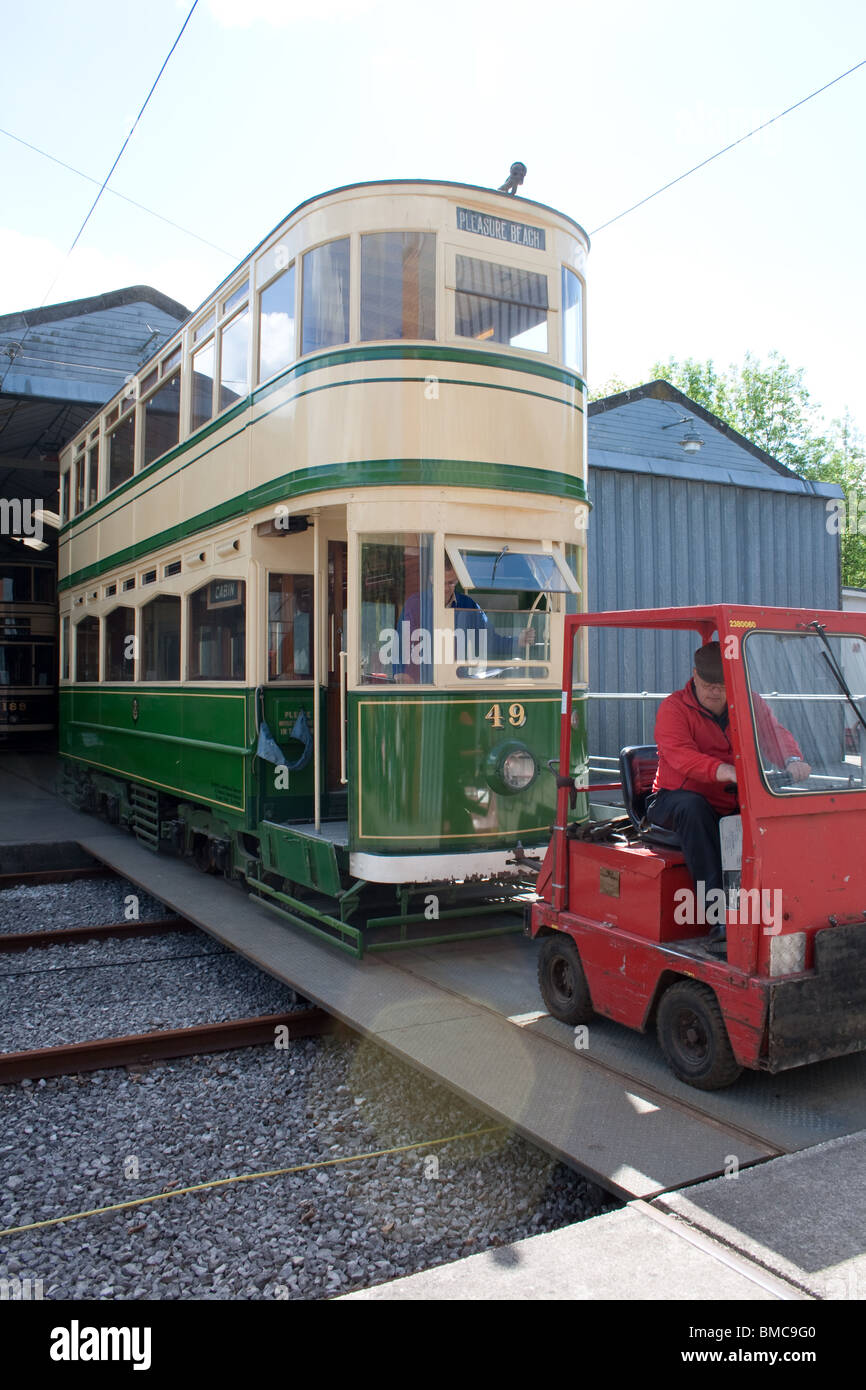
{"x": 104, "y": 183}
{"x": 733, "y": 145}
{"x": 114, "y": 193}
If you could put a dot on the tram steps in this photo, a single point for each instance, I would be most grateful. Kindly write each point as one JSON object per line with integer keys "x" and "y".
{"x": 144, "y": 802}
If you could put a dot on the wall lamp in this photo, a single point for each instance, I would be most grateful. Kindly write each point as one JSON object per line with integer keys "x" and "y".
{"x": 691, "y": 440}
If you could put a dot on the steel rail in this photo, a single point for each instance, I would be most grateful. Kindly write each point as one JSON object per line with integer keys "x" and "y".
{"x": 38, "y": 876}
{"x": 56, "y": 936}
{"x": 139, "y": 1048}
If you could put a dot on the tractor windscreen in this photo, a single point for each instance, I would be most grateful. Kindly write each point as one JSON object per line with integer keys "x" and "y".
{"x": 808, "y": 698}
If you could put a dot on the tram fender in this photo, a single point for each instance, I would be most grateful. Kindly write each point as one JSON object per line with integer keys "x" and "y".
{"x": 306, "y": 859}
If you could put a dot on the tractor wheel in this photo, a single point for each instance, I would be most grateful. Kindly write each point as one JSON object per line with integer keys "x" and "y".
{"x": 562, "y": 981}
{"x": 693, "y": 1037}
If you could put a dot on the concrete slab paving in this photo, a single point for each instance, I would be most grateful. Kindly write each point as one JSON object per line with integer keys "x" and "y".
{"x": 621, "y": 1256}
{"x": 802, "y": 1216}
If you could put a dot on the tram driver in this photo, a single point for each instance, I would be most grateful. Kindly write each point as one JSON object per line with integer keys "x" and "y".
{"x": 696, "y": 781}
{"x": 480, "y": 638}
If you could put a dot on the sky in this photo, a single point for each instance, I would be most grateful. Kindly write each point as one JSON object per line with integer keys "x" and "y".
{"x": 265, "y": 103}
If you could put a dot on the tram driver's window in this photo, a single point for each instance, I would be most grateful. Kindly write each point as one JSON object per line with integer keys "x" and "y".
{"x": 398, "y": 285}
{"x": 87, "y": 650}
{"x": 501, "y": 304}
{"x": 290, "y": 627}
{"x": 503, "y": 600}
{"x": 217, "y": 631}
{"x": 397, "y": 617}
{"x": 119, "y": 644}
{"x": 325, "y": 308}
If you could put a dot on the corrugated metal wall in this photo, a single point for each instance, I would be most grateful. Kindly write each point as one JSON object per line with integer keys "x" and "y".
{"x": 657, "y": 541}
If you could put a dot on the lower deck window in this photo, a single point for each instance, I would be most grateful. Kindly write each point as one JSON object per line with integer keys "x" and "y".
{"x": 87, "y": 650}
{"x": 160, "y": 639}
{"x": 119, "y": 644}
{"x": 217, "y": 631}
{"x": 290, "y": 633}
{"x": 396, "y": 608}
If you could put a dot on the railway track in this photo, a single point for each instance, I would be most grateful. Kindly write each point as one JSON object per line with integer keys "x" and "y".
{"x": 93, "y": 1054}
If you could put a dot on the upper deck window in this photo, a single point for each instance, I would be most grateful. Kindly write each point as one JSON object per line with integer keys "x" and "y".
{"x": 202, "y": 384}
{"x": 162, "y": 419}
{"x": 398, "y": 285}
{"x": 325, "y": 312}
{"x": 121, "y": 452}
{"x": 277, "y": 324}
{"x": 93, "y": 469}
{"x": 500, "y": 304}
{"x": 78, "y": 489}
{"x": 572, "y": 320}
{"x": 234, "y": 366}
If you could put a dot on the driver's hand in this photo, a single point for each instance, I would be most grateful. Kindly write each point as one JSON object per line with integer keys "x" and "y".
{"x": 726, "y": 772}
{"x": 798, "y": 772}
{"x": 525, "y": 637}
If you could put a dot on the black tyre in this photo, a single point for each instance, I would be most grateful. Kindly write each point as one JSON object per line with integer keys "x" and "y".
{"x": 562, "y": 981}
{"x": 693, "y": 1037}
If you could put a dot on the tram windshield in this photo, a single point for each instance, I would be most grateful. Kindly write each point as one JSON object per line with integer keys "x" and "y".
{"x": 492, "y": 621}
{"x": 808, "y": 694}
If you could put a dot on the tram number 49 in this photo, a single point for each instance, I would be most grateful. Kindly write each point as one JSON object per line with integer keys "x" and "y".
{"x": 516, "y": 716}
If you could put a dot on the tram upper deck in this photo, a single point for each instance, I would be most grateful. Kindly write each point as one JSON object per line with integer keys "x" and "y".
{"x": 385, "y": 335}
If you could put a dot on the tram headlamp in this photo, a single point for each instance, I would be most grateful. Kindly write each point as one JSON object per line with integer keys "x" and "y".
{"x": 511, "y": 768}
{"x": 518, "y": 769}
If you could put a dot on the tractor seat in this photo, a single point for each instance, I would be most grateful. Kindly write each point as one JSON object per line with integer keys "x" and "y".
{"x": 637, "y": 769}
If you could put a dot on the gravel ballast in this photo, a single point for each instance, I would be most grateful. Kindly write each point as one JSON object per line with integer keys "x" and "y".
{"x": 74, "y": 1143}
{"x": 81, "y": 903}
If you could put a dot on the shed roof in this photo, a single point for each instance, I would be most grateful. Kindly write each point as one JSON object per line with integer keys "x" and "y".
{"x": 638, "y": 431}
{"x": 61, "y": 362}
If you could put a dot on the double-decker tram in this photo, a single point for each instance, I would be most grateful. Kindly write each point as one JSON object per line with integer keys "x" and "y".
{"x": 28, "y": 648}
{"x": 315, "y": 563}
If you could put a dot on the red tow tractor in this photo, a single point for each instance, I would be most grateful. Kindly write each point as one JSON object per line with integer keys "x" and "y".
{"x": 622, "y": 926}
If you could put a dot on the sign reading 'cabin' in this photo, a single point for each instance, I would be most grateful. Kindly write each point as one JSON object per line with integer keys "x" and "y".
{"x": 515, "y": 233}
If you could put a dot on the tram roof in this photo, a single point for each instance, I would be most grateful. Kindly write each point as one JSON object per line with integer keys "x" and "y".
{"x": 507, "y": 199}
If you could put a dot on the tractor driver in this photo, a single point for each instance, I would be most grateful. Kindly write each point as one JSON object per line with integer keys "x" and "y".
{"x": 696, "y": 781}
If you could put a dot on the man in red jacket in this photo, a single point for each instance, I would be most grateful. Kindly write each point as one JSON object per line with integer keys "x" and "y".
{"x": 696, "y": 781}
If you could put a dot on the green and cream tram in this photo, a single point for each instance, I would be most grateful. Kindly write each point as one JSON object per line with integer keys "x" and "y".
{"x": 314, "y": 560}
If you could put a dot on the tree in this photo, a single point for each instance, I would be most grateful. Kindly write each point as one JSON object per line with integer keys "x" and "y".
{"x": 770, "y": 405}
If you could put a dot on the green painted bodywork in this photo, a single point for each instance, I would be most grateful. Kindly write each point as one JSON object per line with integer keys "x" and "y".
{"x": 420, "y": 770}
{"x": 420, "y": 765}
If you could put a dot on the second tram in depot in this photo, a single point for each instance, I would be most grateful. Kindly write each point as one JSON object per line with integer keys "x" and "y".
{"x": 28, "y": 648}
{"x": 315, "y": 561}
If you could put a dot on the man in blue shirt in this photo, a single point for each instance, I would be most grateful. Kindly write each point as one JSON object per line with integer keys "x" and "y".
{"x": 480, "y": 639}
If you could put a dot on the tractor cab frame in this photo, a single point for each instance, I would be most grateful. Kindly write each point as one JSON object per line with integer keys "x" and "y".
{"x": 624, "y": 929}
